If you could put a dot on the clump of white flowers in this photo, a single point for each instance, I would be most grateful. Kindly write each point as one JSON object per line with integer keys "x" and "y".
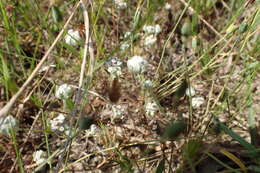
{"x": 114, "y": 67}
{"x": 196, "y": 102}
{"x": 151, "y": 108}
{"x": 57, "y": 124}
{"x": 137, "y": 64}
{"x": 151, "y": 32}
{"x": 118, "y": 112}
{"x": 120, "y": 4}
{"x": 168, "y": 6}
{"x": 93, "y": 131}
{"x": 148, "y": 84}
{"x": 149, "y": 29}
{"x": 124, "y": 46}
{"x": 73, "y": 37}
{"x": 63, "y": 91}
{"x": 150, "y": 40}
{"x": 39, "y": 156}
{"x": 190, "y": 92}
{"x": 7, "y": 124}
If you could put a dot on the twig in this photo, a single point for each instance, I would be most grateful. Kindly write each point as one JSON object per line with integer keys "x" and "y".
{"x": 4, "y": 111}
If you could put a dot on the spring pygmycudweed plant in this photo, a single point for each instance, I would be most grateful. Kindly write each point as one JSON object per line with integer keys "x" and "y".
{"x": 151, "y": 108}
{"x": 118, "y": 112}
{"x": 150, "y": 40}
{"x": 137, "y": 65}
{"x": 114, "y": 67}
{"x": 196, "y": 102}
{"x": 63, "y": 91}
{"x": 7, "y": 124}
{"x": 149, "y": 29}
{"x": 39, "y": 156}
{"x": 120, "y": 4}
{"x": 190, "y": 92}
{"x": 73, "y": 37}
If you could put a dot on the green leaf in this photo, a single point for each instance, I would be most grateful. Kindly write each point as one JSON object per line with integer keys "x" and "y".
{"x": 56, "y": 14}
{"x": 161, "y": 166}
{"x": 237, "y": 138}
{"x": 85, "y": 123}
{"x": 174, "y": 129}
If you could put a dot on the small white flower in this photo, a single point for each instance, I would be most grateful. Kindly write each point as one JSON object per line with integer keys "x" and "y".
{"x": 93, "y": 131}
{"x": 8, "y": 123}
{"x": 58, "y": 123}
{"x": 196, "y": 102}
{"x": 46, "y": 68}
{"x": 127, "y": 34}
{"x": 63, "y": 91}
{"x": 39, "y": 156}
{"x": 137, "y": 64}
{"x": 115, "y": 71}
{"x": 72, "y": 38}
{"x": 150, "y": 40}
{"x": 147, "y": 84}
{"x": 120, "y": 4}
{"x": 151, "y": 108}
{"x": 114, "y": 67}
{"x": 124, "y": 46}
{"x": 149, "y": 29}
{"x": 190, "y": 92}
{"x": 118, "y": 112}
{"x": 168, "y": 6}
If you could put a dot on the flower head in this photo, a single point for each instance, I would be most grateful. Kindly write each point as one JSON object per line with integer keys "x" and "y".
{"x": 196, "y": 102}
{"x": 39, "y": 156}
{"x": 151, "y": 108}
{"x": 73, "y": 37}
{"x": 120, "y": 4}
{"x": 137, "y": 64}
{"x": 149, "y": 29}
{"x": 118, "y": 112}
{"x": 148, "y": 84}
{"x": 168, "y": 6}
{"x": 150, "y": 40}
{"x": 190, "y": 92}
{"x": 114, "y": 67}
{"x": 6, "y": 124}
{"x": 93, "y": 130}
{"x": 58, "y": 123}
{"x": 63, "y": 91}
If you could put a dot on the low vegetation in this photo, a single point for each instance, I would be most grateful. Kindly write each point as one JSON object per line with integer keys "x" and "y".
{"x": 130, "y": 86}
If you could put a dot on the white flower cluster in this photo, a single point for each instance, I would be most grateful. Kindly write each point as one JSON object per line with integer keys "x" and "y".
{"x": 196, "y": 102}
{"x": 120, "y": 4}
{"x": 168, "y": 6}
{"x": 63, "y": 91}
{"x": 190, "y": 92}
{"x": 150, "y": 40}
{"x": 149, "y": 29}
{"x": 151, "y": 32}
{"x": 118, "y": 112}
{"x": 73, "y": 37}
{"x": 58, "y": 123}
{"x": 151, "y": 108}
{"x": 137, "y": 65}
{"x": 93, "y": 131}
{"x": 125, "y": 45}
{"x": 114, "y": 67}
{"x": 7, "y": 124}
{"x": 148, "y": 84}
{"x": 39, "y": 156}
